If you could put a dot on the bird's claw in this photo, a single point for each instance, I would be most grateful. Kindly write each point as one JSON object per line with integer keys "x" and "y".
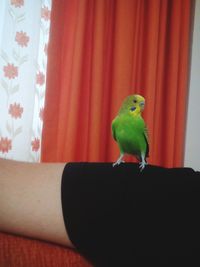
{"x": 118, "y": 162}
{"x": 142, "y": 165}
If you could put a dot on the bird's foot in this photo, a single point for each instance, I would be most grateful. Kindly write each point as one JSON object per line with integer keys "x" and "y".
{"x": 119, "y": 161}
{"x": 142, "y": 165}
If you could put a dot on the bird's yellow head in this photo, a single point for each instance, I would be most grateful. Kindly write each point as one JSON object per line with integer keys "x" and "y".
{"x": 133, "y": 104}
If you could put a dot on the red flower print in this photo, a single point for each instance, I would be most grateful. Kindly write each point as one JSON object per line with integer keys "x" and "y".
{"x": 21, "y": 38}
{"x": 17, "y": 3}
{"x": 41, "y": 115}
{"x": 15, "y": 110}
{"x": 40, "y": 78}
{"x": 35, "y": 144}
{"x": 10, "y": 71}
{"x": 5, "y": 144}
{"x": 45, "y": 13}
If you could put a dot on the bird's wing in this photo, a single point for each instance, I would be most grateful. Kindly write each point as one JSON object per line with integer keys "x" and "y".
{"x": 113, "y": 129}
{"x": 146, "y": 137}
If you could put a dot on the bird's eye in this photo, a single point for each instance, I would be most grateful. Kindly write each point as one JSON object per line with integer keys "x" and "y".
{"x": 134, "y": 101}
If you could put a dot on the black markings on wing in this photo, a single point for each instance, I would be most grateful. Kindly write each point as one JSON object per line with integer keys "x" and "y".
{"x": 147, "y": 143}
{"x": 113, "y": 130}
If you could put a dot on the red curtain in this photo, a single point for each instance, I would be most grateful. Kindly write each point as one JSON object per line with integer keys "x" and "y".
{"x": 100, "y": 51}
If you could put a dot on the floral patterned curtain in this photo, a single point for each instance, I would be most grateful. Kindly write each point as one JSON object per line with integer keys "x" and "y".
{"x": 24, "y": 30}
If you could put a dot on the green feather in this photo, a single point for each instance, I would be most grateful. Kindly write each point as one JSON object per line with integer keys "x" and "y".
{"x": 130, "y": 134}
{"x": 129, "y": 129}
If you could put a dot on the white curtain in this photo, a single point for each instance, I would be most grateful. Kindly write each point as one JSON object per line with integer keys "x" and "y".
{"x": 24, "y": 32}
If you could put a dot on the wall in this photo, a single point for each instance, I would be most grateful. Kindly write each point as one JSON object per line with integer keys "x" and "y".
{"x": 192, "y": 141}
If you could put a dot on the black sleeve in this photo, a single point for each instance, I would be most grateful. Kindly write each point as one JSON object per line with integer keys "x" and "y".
{"x": 119, "y": 216}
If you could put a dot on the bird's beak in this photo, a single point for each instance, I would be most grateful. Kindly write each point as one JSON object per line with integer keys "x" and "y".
{"x": 133, "y": 108}
{"x": 142, "y": 104}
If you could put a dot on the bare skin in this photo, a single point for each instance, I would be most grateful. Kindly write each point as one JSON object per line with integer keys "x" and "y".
{"x": 30, "y": 200}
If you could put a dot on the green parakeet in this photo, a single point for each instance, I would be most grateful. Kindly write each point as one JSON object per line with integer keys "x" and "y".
{"x": 130, "y": 132}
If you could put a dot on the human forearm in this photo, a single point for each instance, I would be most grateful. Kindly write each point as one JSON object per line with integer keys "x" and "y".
{"x": 30, "y": 202}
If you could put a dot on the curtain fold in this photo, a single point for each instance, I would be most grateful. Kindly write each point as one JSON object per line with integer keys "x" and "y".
{"x": 100, "y": 51}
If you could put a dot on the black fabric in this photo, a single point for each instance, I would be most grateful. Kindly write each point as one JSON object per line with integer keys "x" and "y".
{"x": 119, "y": 216}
